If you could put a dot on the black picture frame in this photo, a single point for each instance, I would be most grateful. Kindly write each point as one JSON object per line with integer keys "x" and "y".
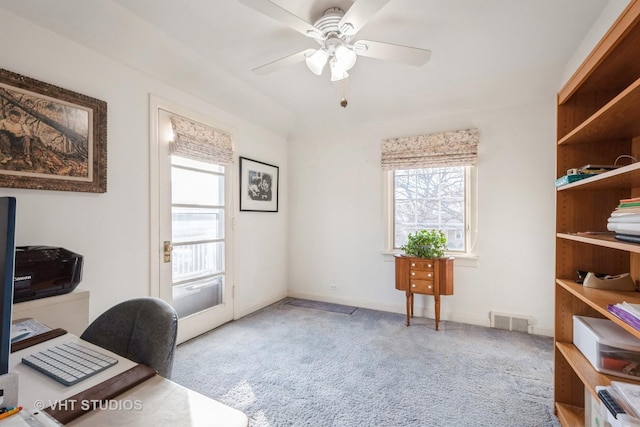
{"x": 259, "y": 185}
{"x": 51, "y": 138}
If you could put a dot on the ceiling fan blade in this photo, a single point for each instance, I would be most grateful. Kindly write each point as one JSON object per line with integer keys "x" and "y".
{"x": 359, "y": 14}
{"x": 392, "y": 52}
{"x": 284, "y": 62}
{"x": 282, "y": 15}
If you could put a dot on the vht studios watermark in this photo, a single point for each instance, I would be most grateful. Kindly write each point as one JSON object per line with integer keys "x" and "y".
{"x": 89, "y": 404}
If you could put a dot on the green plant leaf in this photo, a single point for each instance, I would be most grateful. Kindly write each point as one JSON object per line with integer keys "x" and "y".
{"x": 426, "y": 244}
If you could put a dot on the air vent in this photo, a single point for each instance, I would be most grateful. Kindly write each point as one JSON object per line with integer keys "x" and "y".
{"x": 511, "y": 322}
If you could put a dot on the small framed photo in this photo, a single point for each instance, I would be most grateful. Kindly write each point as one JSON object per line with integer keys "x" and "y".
{"x": 51, "y": 138}
{"x": 258, "y": 186}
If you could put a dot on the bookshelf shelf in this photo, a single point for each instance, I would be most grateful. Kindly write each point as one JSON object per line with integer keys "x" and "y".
{"x": 616, "y": 120}
{"x": 570, "y": 415}
{"x": 581, "y": 366}
{"x": 623, "y": 177}
{"x": 604, "y": 239}
{"x": 599, "y": 299}
{"x": 597, "y": 121}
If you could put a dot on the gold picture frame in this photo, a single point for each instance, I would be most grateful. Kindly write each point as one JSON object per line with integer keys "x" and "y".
{"x": 51, "y": 138}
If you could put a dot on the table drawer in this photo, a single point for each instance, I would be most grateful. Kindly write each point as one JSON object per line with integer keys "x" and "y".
{"x": 421, "y": 286}
{"x": 425, "y": 265}
{"x": 421, "y": 274}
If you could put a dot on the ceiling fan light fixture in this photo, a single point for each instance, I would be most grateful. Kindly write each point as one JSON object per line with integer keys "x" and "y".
{"x": 333, "y": 32}
{"x": 317, "y": 61}
{"x": 346, "y": 57}
{"x": 338, "y": 72}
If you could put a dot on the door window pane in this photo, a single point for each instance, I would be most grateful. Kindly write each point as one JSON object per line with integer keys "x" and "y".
{"x": 195, "y": 164}
{"x": 192, "y": 297}
{"x": 191, "y": 261}
{"x": 196, "y": 224}
{"x": 187, "y": 187}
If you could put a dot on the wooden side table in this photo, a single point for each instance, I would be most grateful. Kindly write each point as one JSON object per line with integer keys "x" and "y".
{"x": 424, "y": 276}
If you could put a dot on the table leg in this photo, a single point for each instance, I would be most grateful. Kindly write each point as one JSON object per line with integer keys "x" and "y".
{"x": 412, "y": 304}
{"x": 409, "y": 304}
{"x": 437, "y": 302}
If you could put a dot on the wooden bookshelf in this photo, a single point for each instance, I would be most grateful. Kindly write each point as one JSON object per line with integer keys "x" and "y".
{"x": 598, "y": 120}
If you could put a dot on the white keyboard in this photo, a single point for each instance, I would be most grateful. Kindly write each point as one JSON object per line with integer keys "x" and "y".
{"x": 69, "y": 363}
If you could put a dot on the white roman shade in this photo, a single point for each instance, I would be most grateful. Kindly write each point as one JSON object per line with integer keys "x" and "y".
{"x": 197, "y": 141}
{"x": 451, "y": 148}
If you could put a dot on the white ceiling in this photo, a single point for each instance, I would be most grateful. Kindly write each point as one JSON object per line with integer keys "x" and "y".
{"x": 485, "y": 54}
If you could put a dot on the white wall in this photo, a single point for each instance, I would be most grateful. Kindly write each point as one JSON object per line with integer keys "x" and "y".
{"x": 336, "y": 226}
{"x": 111, "y": 230}
{"x": 608, "y": 16}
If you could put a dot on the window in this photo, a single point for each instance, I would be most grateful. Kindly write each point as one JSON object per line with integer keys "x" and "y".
{"x": 432, "y": 198}
{"x": 431, "y": 184}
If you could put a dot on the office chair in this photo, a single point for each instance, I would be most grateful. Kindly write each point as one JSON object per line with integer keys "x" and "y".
{"x": 142, "y": 329}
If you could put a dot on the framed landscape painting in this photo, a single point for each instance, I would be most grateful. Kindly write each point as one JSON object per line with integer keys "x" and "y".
{"x": 51, "y": 138}
{"x": 258, "y": 186}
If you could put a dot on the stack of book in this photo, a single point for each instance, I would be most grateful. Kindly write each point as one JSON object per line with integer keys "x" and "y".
{"x": 627, "y": 312}
{"x": 625, "y": 220}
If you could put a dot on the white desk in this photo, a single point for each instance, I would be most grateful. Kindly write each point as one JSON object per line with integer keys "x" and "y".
{"x": 155, "y": 402}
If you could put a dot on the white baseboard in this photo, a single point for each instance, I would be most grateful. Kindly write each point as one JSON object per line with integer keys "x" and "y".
{"x": 262, "y": 304}
{"x": 393, "y": 308}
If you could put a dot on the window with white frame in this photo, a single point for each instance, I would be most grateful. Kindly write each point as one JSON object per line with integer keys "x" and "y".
{"x": 431, "y": 185}
{"x": 432, "y": 199}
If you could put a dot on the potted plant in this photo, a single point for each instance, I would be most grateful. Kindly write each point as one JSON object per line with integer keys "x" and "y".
{"x": 426, "y": 244}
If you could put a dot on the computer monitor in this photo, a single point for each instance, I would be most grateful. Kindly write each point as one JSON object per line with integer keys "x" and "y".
{"x": 7, "y": 265}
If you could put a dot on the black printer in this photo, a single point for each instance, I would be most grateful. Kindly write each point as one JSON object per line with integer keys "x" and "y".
{"x": 44, "y": 271}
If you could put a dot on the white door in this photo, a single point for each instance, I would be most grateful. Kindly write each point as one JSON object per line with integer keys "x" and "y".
{"x": 193, "y": 244}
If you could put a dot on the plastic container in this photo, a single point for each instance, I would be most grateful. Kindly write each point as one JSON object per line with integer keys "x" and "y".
{"x": 609, "y": 348}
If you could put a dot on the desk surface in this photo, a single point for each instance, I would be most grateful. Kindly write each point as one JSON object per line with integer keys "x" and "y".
{"x": 156, "y": 401}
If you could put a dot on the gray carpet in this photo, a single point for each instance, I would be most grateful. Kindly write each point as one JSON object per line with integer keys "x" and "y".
{"x": 294, "y": 366}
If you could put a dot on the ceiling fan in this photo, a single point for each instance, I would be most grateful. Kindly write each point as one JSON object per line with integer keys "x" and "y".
{"x": 334, "y": 32}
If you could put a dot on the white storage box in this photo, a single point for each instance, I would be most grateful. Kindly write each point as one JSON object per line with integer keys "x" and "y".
{"x": 609, "y": 348}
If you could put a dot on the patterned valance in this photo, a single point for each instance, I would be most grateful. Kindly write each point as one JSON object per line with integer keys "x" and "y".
{"x": 452, "y": 148}
{"x": 200, "y": 142}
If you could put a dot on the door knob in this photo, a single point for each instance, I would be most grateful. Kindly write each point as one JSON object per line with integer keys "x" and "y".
{"x": 167, "y": 251}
